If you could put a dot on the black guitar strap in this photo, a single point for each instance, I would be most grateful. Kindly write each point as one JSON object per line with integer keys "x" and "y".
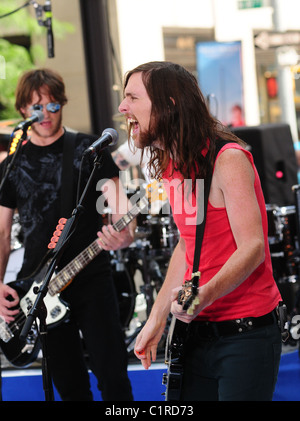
{"x": 67, "y": 174}
{"x": 200, "y": 226}
{"x": 179, "y": 331}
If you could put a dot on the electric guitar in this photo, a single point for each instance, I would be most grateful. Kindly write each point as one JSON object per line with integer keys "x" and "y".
{"x": 175, "y": 344}
{"x": 22, "y": 353}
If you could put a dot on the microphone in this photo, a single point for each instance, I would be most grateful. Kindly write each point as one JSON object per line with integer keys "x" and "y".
{"x": 37, "y": 116}
{"x": 108, "y": 137}
{"x": 48, "y": 24}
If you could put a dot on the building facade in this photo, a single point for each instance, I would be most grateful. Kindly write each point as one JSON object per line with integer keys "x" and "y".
{"x": 138, "y": 31}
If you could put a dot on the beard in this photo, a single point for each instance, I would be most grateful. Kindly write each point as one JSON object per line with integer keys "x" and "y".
{"x": 147, "y": 138}
{"x": 52, "y": 132}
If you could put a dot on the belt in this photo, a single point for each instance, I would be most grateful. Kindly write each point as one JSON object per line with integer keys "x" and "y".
{"x": 231, "y": 327}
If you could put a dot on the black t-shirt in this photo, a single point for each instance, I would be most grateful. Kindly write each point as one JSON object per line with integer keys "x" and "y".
{"x": 33, "y": 187}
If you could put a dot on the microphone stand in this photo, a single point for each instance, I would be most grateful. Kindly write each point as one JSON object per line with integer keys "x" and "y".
{"x": 39, "y": 310}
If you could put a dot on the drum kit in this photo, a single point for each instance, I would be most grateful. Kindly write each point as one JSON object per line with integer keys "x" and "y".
{"x": 283, "y": 238}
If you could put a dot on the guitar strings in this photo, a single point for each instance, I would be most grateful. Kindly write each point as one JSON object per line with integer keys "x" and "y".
{"x": 14, "y": 326}
{"x": 73, "y": 268}
{"x": 85, "y": 257}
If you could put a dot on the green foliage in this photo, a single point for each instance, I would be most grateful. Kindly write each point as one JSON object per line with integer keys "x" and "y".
{"x": 18, "y": 59}
{"x": 19, "y": 20}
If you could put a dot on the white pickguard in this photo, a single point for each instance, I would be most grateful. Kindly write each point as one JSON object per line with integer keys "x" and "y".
{"x": 56, "y": 309}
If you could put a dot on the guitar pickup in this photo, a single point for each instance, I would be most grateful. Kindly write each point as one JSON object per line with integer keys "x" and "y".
{"x": 55, "y": 312}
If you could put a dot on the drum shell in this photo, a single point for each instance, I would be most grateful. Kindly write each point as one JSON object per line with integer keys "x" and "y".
{"x": 288, "y": 226}
{"x": 126, "y": 294}
{"x": 289, "y": 288}
{"x": 274, "y": 234}
{"x": 164, "y": 233}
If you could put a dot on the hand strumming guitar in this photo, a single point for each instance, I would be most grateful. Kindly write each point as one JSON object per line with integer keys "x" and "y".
{"x": 8, "y": 299}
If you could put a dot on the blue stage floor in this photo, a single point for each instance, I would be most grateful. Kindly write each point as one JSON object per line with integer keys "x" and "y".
{"x": 288, "y": 384}
{"x": 26, "y": 385}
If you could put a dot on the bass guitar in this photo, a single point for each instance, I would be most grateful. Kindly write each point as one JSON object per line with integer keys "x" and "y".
{"x": 175, "y": 344}
{"x": 23, "y": 353}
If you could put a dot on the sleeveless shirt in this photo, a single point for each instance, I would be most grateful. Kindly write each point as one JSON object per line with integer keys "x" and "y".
{"x": 258, "y": 294}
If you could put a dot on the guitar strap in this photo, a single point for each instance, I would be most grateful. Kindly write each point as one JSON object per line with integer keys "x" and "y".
{"x": 67, "y": 174}
{"x": 200, "y": 226}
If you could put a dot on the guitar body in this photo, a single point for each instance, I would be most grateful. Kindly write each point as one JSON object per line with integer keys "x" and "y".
{"x": 23, "y": 353}
{"x": 57, "y": 309}
{"x": 19, "y": 353}
{"x": 174, "y": 357}
{"x": 176, "y": 340}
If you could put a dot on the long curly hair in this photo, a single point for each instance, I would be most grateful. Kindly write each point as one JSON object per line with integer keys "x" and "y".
{"x": 180, "y": 119}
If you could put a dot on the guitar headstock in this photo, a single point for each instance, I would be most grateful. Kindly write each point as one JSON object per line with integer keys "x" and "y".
{"x": 188, "y": 295}
{"x": 155, "y": 191}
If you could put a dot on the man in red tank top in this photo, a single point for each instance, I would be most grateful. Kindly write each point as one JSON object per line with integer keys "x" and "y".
{"x": 234, "y": 340}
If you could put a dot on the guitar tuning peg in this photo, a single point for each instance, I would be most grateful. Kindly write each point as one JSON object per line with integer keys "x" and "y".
{"x": 57, "y": 233}
{"x": 53, "y": 242}
{"x": 61, "y": 224}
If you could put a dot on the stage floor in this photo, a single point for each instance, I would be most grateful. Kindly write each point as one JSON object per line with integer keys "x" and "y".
{"x": 27, "y": 385}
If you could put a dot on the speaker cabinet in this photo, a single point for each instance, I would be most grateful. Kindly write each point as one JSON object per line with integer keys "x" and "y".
{"x": 274, "y": 156}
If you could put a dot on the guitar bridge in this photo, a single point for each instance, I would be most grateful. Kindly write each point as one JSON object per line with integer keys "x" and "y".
{"x": 27, "y": 348}
{"x": 5, "y": 333}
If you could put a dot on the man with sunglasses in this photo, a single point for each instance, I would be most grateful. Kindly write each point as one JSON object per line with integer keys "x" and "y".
{"x": 35, "y": 187}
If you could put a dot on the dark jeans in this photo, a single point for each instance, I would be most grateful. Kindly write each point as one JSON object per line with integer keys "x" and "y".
{"x": 240, "y": 367}
{"x": 94, "y": 311}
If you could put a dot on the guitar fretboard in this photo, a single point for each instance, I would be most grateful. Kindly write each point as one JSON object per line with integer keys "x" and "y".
{"x": 68, "y": 273}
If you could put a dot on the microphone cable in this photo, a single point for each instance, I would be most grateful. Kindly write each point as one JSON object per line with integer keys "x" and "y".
{"x": 16, "y": 10}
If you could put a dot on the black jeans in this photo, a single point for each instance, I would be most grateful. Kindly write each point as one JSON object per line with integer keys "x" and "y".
{"x": 239, "y": 367}
{"x": 94, "y": 311}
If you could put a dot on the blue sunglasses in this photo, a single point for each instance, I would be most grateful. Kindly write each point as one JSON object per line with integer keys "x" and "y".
{"x": 52, "y": 107}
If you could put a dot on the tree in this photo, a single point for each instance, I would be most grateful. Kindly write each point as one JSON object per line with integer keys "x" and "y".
{"x": 17, "y": 58}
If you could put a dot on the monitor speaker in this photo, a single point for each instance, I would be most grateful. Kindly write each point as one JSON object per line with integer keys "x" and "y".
{"x": 274, "y": 156}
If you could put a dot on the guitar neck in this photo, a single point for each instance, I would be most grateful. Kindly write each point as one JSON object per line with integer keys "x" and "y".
{"x": 68, "y": 273}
